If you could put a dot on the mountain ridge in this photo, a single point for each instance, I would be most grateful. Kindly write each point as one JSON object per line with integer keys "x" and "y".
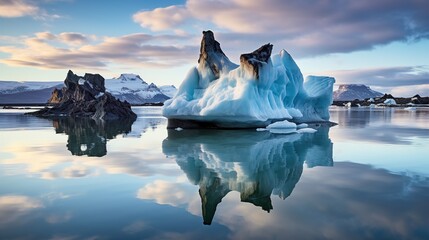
{"x": 350, "y": 92}
{"x": 128, "y": 86}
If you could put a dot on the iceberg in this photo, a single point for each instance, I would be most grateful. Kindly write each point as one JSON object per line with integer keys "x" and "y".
{"x": 261, "y": 90}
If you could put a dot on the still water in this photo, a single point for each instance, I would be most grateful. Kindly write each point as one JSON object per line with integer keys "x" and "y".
{"x": 366, "y": 178}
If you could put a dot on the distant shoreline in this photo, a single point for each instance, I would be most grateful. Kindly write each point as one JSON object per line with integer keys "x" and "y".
{"x": 5, "y": 105}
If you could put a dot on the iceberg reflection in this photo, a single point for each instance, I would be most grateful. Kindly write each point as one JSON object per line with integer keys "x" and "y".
{"x": 87, "y": 136}
{"x": 256, "y": 164}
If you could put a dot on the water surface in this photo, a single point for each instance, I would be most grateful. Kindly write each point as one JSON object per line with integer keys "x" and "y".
{"x": 366, "y": 178}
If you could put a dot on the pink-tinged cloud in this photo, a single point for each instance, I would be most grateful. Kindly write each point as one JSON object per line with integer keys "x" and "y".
{"x": 22, "y": 8}
{"x": 161, "y": 18}
{"x": 44, "y": 51}
{"x": 17, "y": 8}
{"x": 304, "y": 27}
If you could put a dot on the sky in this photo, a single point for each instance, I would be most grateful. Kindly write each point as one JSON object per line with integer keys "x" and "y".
{"x": 383, "y": 44}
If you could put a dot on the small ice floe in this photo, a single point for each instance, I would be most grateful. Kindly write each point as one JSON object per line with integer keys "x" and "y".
{"x": 410, "y": 108}
{"x": 286, "y": 127}
{"x": 390, "y": 101}
{"x": 372, "y": 105}
{"x": 348, "y": 105}
{"x": 178, "y": 129}
{"x": 282, "y": 125}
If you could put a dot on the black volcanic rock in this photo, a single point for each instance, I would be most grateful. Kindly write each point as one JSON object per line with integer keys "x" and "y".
{"x": 86, "y": 97}
{"x": 387, "y": 96}
{"x": 212, "y": 56}
{"x": 254, "y": 60}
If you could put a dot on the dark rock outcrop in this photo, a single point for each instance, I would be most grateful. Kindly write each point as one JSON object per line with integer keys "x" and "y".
{"x": 212, "y": 56}
{"x": 86, "y": 97}
{"x": 254, "y": 60}
{"x": 56, "y": 96}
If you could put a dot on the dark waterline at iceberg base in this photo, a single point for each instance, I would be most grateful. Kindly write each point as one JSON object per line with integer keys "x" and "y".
{"x": 366, "y": 178}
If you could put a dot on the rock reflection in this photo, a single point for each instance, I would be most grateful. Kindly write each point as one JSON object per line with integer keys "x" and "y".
{"x": 87, "y": 136}
{"x": 256, "y": 164}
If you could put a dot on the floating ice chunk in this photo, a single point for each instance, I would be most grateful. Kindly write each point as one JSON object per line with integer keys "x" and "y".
{"x": 306, "y": 130}
{"x": 282, "y": 125}
{"x": 390, "y": 101}
{"x": 178, "y": 129}
{"x": 410, "y": 108}
{"x": 302, "y": 125}
{"x": 261, "y": 129}
{"x": 372, "y": 106}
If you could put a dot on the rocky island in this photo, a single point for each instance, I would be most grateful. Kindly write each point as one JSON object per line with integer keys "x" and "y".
{"x": 85, "y": 97}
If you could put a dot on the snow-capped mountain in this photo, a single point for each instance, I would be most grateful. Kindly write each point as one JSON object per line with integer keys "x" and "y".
{"x": 169, "y": 90}
{"x": 10, "y": 87}
{"x": 134, "y": 89}
{"x": 12, "y": 92}
{"x": 349, "y": 92}
{"x": 130, "y": 87}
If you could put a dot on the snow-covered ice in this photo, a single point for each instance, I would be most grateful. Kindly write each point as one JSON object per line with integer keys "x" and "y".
{"x": 239, "y": 98}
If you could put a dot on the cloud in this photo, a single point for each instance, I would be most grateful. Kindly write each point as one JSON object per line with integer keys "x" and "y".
{"x": 13, "y": 207}
{"x": 400, "y": 81}
{"x": 161, "y": 18}
{"x": 73, "y": 38}
{"x": 164, "y": 192}
{"x": 22, "y": 8}
{"x": 306, "y": 28}
{"x": 137, "y": 50}
{"x": 17, "y": 8}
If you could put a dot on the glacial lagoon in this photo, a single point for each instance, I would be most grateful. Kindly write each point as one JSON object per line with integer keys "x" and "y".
{"x": 366, "y": 178}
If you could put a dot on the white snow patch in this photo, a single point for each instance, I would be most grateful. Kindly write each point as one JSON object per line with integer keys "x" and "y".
{"x": 81, "y": 81}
